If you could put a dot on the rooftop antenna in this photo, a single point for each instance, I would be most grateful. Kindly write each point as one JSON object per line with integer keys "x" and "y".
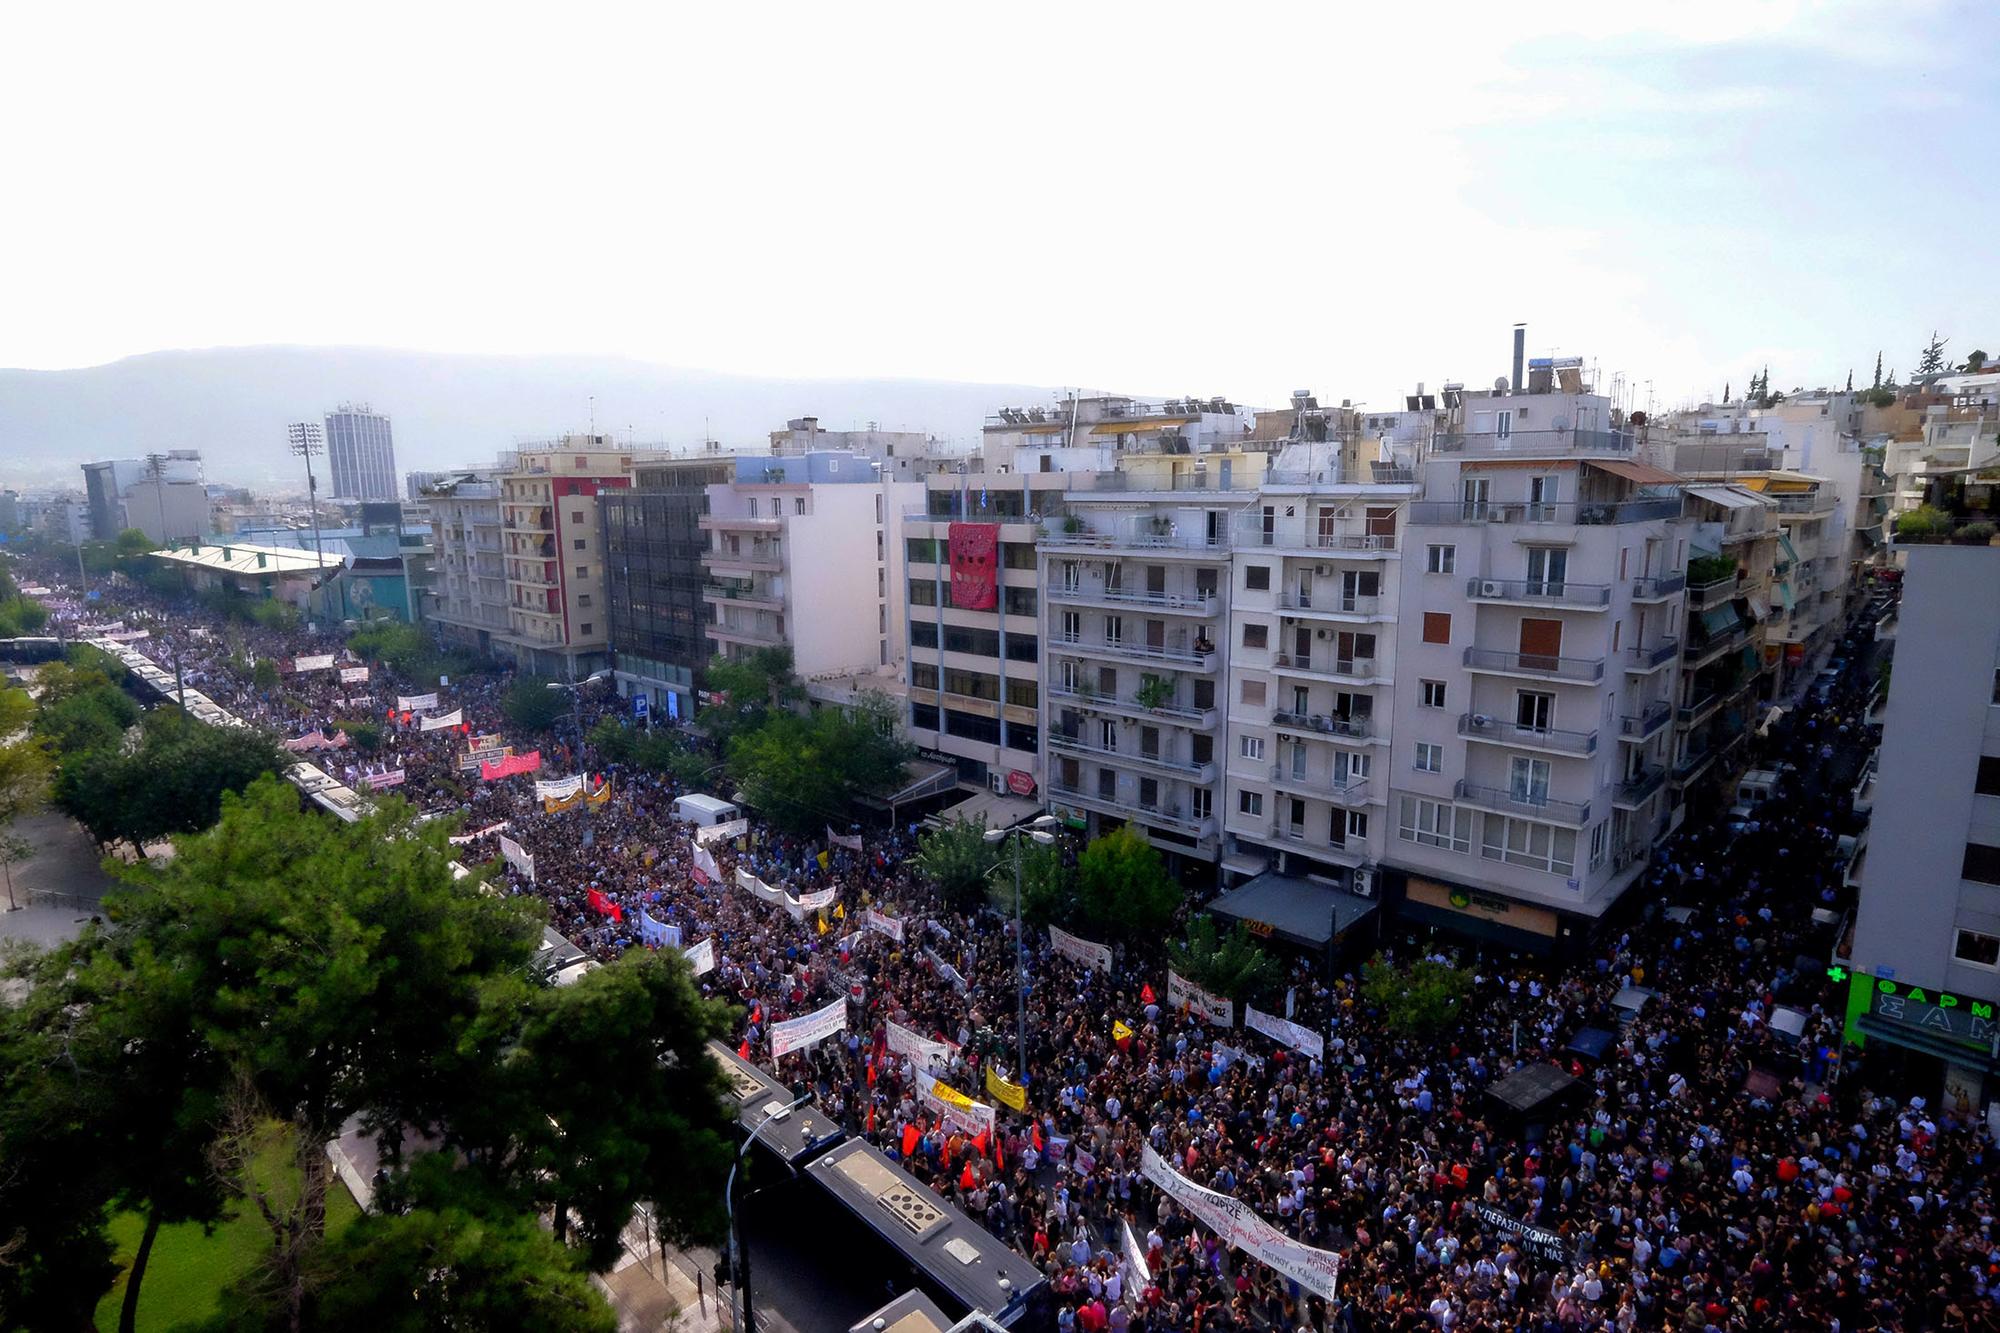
{"x": 593, "y": 416}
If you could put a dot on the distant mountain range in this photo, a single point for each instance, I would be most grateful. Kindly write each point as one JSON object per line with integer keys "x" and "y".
{"x": 233, "y": 404}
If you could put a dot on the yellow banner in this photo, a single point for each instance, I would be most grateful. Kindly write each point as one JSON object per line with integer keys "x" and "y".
{"x": 551, "y": 805}
{"x": 1119, "y": 1032}
{"x": 951, "y": 1096}
{"x": 1009, "y": 1094}
{"x": 601, "y": 795}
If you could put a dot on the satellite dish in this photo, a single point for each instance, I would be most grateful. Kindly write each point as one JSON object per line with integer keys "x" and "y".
{"x": 1499, "y": 384}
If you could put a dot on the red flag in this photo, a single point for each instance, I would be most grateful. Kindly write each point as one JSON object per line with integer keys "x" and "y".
{"x": 979, "y": 1144}
{"x": 999, "y": 1154}
{"x": 391, "y": 715}
{"x": 744, "y": 1049}
{"x": 871, "y": 1073}
{"x": 871, "y": 1118}
{"x": 757, "y": 1012}
{"x": 910, "y": 1137}
{"x": 1146, "y": 995}
{"x": 966, "y": 1180}
{"x": 1035, "y": 1135}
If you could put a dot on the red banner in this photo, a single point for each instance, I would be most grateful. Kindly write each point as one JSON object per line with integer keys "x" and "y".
{"x": 602, "y": 904}
{"x": 975, "y": 559}
{"x": 510, "y": 765}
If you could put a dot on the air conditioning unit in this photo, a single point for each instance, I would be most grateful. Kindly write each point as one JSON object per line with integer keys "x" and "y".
{"x": 1323, "y": 634}
{"x": 1491, "y": 588}
{"x": 1364, "y": 882}
{"x": 1323, "y": 571}
{"x": 997, "y": 782}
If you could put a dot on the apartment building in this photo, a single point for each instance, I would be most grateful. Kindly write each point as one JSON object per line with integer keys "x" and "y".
{"x": 805, "y": 552}
{"x": 1311, "y": 648}
{"x": 466, "y": 596}
{"x": 1728, "y": 671}
{"x": 360, "y": 453}
{"x": 552, "y": 549}
{"x": 901, "y": 455}
{"x": 654, "y": 579}
{"x": 1924, "y": 967}
{"x": 1537, "y": 649}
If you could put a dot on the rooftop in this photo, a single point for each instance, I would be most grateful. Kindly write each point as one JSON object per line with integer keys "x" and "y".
{"x": 242, "y": 558}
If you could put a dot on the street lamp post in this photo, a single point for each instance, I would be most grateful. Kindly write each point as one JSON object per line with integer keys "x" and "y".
{"x": 1038, "y": 830}
{"x": 739, "y": 1253}
{"x": 575, "y": 688}
{"x": 307, "y": 438}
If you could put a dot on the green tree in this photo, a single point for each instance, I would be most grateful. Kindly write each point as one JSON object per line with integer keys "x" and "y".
{"x": 1420, "y": 1000}
{"x": 531, "y": 706}
{"x": 1975, "y": 361}
{"x": 173, "y": 781}
{"x": 1122, "y": 885}
{"x": 1232, "y": 964}
{"x": 1930, "y": 361}
{"x": 956, "y": 857}
{"x": 1878, "y": 372}
{"x": 753, "y": 687}
{"x": 264, "y": 675}
{"x": 613, "y": 740}
{"x": 1046, "y": 882}
{"x": 801, "y": 772}
{"x": 85, "y": 721}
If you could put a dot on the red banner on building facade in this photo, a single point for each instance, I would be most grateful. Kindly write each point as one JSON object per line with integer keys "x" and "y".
{"x": 975, "y": 560}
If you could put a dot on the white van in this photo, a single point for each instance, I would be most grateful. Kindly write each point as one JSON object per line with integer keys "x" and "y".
{"x": 705, "y": 811}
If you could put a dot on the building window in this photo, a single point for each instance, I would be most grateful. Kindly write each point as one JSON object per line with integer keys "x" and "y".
{"x": 1978, "y": 948}
{"x": 1071, "y": 628}
{"x": 1434, "y": 824}
{"x": 923, "y": 675}
{"x": 1988, "y": 781}
{"x": 799, "y": 505}
{"x": 1982, "y": 863}
{"x": 1441, "y": 559}
{"x": 1600, "y": 842}
{"x": 924, "y": 716}
{"x": 1525, "y": 843}
{"x": 1437, "y": 627}
{"x": 921, "y": 550}
{"x": 923, "y": 633}
{"x": 587, "y": 627}
{"x": 1253, "y": 693}
{"x": 1430, "y": 758}
{"x": 923, "y": 592}
{"x": 583, "y": 599}
{"x": 1250, "y": 802}
{"x": 583, "y": 571}
{"x": 576, "y": 516}
{"x": 1431, "y": 694}
{"x": 1018, "y": 601}
{"x": 1357, "y": 826}
{"x": 1256, "y": 636}
{"x": 1257, "y": 578}
{"x": 1251, "y": 747}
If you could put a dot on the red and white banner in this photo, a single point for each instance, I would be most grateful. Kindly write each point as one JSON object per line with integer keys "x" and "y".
{"x": 885, "y": 925}
{"x": 1318, "y": 1271}
{"x": 795, "y": 1034}
{"x": 511, "y": 765}
{"x": 1285, "y": 1032}
{"x": 456, "y": 717}
{"x": 705, "y": 868}
{"x": 975, "y": 565}
{"x": 905, "y": 1041}
{"x": 323, "y": 662}
{"x": 517, "y": 856}
{"x": 1077, "y": 949}
{"x": 349, "y": 675}
{"x": 391, "y": 778}
{"x": 1215, "y": 1008}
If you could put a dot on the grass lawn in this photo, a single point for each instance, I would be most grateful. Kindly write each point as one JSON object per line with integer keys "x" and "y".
{"x": 188, "y": 1268}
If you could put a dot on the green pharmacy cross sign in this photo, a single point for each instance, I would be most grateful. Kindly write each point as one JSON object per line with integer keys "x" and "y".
{"x": 1891, "y": 1009}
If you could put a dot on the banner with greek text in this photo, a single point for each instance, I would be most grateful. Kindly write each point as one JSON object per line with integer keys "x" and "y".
{"x": 1008, "y": 1093}
{"x": 460, "y": 839}
{"x": 487, "y": 743}
{"x": 905, "y": 1041}
{"x": 510, "y": 765}
{"x": 518, "y": 857}
{"x": 852, "y": 841}
{"x": 817, "y": 900}
{"x": 1318, "y": 1271}
{"x": 945, "y": 969}
{"x": 559, "y": 788}
{"x": 1214, "y": 1008}
{"x": 1539, "y": 1241}
{"x": 410, "y": 703}
{"x": 1077, "y": 949}
{"x": 456, "y": 717}
{"x": 349, "y": 675}
{"x": 729, "y": 828}
{"x": 323, "y": 662}
{"x": 885, "y": 925}
{"x": 701, "y": 957}
{"x": 1285, "y": 1032}
{"x": 391, "y": 778}
{"x": 808, "y": 1029}
{"x": 957, "y": 1109}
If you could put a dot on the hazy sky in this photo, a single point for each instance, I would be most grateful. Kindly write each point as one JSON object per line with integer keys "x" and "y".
{"x": 1235, "y": 199}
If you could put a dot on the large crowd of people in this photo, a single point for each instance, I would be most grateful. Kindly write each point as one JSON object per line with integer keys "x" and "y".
{"x": 1715, "y": 1173}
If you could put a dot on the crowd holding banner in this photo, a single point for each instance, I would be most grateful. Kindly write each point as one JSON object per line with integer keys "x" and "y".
{"x": 725, "y": 831}
{"x": 1184, "y": 994}
{"x": 416, "y": 703}
{"x": 797, "y": 1033}
{"x": 1294, "y": 1035}
{"x": 351, "y": 675}
{"x": 518, "y": 857}
{"x": 882, "y": 924}
{"x": 510, "y": 765}
{"x": 316, "y": 662}
{"x": 1318, "y": 1271}
{"x": 1087, "y": 952}
{"x": 455, "y": 718}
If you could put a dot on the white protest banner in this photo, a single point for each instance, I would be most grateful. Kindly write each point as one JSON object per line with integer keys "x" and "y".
{"x": 760, "y": 890}
{"x": 460, "y": 839}
{"x": 518, "y": 857}
{"x": 134, "y": 635}
{"x": 938, "y": 928}
{"x": 1285, "y": 1032}
{"x": 1087, "y": 952}
{"x": 349, "y": 675}
{"x": 945, "y": 970}
{"x": 852, "y": 842}
{"x": 706, "y": 871}
{"x": 729, "y": 828}
{"x": 323, "y": 662}
{"x": 411, "y": 703}
{"x": 956, "y": 1108}
{"x": 1137, "y": 1273}
{"x": 456, "y": 717}
{"x": 905, "y": 1041}
{"x": 560, "y": 788}
{"x": 808, "y": 1029}
{"x": 701, "y": 957}
{"x": 1318, "y": 1271}
{"x": 1214, "y": 1008}
{"x": 886, "y": 925}
{"x": 392, "y": 778}
{"x": 654, "y": 932}
{"x": 818, "y": 899}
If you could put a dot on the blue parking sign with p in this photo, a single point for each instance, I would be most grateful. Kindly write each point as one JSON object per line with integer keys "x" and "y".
{"x": 640, "y": 705}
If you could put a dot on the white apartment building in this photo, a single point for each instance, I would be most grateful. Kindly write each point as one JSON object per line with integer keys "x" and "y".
{"x": 1311, "y": 646}
{"x": 1536, "y": 658}
{"x": 1728, "y": 669}
{"x": 805, "y": 553}
{"x": 902, "y": 455}
{"x": 467, "y": 593}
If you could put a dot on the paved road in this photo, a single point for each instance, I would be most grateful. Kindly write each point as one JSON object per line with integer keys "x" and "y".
{"x": 58, "y": 887}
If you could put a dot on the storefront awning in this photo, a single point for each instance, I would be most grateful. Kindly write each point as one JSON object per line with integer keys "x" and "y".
{"x": 1718, "y": 621}
{"x": 1785, "y": 593}
{"x": 1760, "y": 607}
{"x": 1645, "y": 474}
{"x": 1299, "y": 910}
{"x": 1729, "y": 497}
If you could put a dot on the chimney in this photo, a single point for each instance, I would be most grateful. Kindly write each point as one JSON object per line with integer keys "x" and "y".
{"x": 1520, "y": 357}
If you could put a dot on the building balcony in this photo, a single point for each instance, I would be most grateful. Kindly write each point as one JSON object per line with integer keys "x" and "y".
{"x": 1346, "y": 793}
{"x": 1335, "y": 545}
{"x": 1326, "y": 666}
{"x": 1144, "y": 537}
{"x": 1534, "y": 443}
{"x": 1657, "y": 587}
{"x": 1645, "y": 661}
{"x": 533, "y": 579}
{"x": 1540, "y": 592}
{"x": 738, "y": 523}
{"x": 1534, "y": 666}
{"x": 724, "y": 594}
{"x": 1523, "y": 802}
{"x": 1332, "y": 606}
{"x": 1567, "y": 513}
{"x": 1697, "y": 711}
{"x": 528, "y": 519}
{"x": 1498, "y": 731}
{"x": 765, "y": 562}
{"x": 1635, "y": 791}
{"x": 1706, "y": 596}
{"x": 1699, "y": 655}
{"x": 1175, "y": 819}
{"x": 1323, "y": 725}
{"x": 1295, "y": 835}
{"x": 1818, "y": 502}
{"x": 1647, "y": 723}
{"x": 1127, "y": 650}
{"x": 1201, "y": 605}
{"x": 1691, "y": 767}
{"x": 1200, "y": 719}
{"x": 756, "y": 636}
{"x": 1185, "y": 769}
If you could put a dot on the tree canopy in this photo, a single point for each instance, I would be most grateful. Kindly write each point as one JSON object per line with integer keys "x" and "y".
{"x": 531, "y": 706}
{"x": 1418, "y": 1000}
{"x": 172, "y": 781}
{"x": 1231, "y": 964}
{"x": 1122, "y": 885}
{"x": 958, "y": 859}
{"x": 802, "y": 771}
